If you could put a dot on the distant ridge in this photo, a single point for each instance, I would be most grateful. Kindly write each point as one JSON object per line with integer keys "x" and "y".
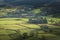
{"x": 36, "y": 3}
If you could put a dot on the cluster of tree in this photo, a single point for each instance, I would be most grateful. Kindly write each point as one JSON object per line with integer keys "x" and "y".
{"x": 25, "y": 36}
{"x": 38, "y": 21}
{"x": 45, "y": 28}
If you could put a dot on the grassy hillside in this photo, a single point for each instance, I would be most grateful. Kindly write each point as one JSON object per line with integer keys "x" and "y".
{"x": 5, "y": 11}
{"x": 13, "y": 27}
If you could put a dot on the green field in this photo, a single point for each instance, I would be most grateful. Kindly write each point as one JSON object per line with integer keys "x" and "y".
{"x": 18, "y": 26}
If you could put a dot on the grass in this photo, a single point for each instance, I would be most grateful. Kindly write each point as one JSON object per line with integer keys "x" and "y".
{"x": 10, "y": 25}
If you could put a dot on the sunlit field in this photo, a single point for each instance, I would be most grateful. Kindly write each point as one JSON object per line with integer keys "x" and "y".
{"x": 11, "y": 28}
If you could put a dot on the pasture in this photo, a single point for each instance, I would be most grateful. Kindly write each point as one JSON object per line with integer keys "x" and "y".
{"x": 14, "y": 28}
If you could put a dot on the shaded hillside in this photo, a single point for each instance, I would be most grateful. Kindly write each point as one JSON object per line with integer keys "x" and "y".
{"x": 28, "y": 2}
{"x": 52, "y": 7}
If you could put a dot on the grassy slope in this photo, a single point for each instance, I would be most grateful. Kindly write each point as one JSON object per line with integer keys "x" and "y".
{"x": 8, "y": 25}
